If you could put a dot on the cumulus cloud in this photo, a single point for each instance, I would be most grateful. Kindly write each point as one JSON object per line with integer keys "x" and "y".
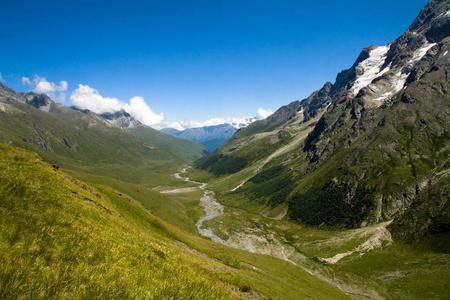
{"x": 61, "y": 98}
{"x": 42, "y": 85}
{"x": 262, "y": 113}
{"x": 51, "y": 89}
{"x": 235, "y": 122}
{"x": 142, "y": 112}
{"x": 85, "y": 97}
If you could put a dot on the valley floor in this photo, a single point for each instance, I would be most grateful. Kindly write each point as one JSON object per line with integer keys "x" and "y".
{"x": 365, "y": 263}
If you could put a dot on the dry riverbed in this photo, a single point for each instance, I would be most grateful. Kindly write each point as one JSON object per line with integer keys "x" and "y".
{"x": 270, "y": 242}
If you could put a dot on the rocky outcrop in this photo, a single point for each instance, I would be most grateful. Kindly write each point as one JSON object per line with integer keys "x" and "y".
{"x": 121, "y": 119}
{"x": 40, "y": 101}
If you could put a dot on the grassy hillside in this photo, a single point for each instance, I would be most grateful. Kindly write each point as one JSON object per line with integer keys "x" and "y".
{"x": 63, "y": 239}
{"x": 83, "y": 142}
{"x": 188, "y": 149}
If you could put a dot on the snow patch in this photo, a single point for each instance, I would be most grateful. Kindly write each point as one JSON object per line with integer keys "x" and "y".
{"x": 397, "y": 83}
{"x": 445, "y": 53}
{"x": 403, "y": 74}
{"x": 371, "y": 68}
{"x": 421, "y": 52}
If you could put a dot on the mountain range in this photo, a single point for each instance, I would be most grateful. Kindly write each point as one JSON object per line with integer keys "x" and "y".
{"x": 83, "y": 214}
{"x": 81, "y": 139}
{"x": 212, "y": 137}
{"x": 371, "y": 147}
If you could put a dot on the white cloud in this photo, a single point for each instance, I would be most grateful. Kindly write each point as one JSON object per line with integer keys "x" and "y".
{"x": 142, "y": 112}
{"x": 41, "y": 85}
{"x": 85, "y": 97}
{"x": 61, "y": 98}
{"x": 236, "y": 122}
{"x": 1, "y": 78}
{"x": 262, "y": 113}
{"x": 26, "y": 80}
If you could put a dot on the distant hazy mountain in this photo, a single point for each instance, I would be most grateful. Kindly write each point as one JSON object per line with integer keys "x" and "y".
{"x": 212, "y": 137}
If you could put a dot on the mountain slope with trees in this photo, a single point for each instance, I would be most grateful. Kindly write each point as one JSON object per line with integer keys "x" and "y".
{"x": 365, "y": 149}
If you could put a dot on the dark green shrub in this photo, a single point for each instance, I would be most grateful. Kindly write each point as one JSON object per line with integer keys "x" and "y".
{"x": 220, "y": 164}
{"x": 328, "y": 206}
{"x": 245, "y": 288}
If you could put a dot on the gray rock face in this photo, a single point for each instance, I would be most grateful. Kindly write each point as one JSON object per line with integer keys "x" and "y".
{"x": 433, "y": 21}
{"x": 399, "y": 114}
{"x": 121, "y": 119}
{"x": 40, "y": 101}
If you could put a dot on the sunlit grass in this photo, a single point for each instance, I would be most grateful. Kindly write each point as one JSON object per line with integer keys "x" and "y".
{"x": 63, "y": 239}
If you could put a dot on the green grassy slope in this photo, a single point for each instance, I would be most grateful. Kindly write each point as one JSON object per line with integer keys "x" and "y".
{"x": 63, "y": 239}
{"x": 86, "y": 143}
{"x": 392, "y": 269}
{"x": 188, "y": 149}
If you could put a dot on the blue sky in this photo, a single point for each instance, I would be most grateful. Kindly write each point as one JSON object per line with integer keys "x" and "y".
{"x": 190, "y": 60}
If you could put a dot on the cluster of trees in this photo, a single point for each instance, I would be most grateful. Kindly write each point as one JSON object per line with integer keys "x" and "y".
{"x": 273, "y": 183}
{"x": 220, "y": 164}
{"x": 329, "y": 206}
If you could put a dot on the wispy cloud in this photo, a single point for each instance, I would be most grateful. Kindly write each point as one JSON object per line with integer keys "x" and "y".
{"x": 42, "y": 85}
{"x": 85, "y": 97}
{"x": 1, "y": 78}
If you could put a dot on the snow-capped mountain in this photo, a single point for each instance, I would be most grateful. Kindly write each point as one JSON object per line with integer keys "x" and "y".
{"x": 372, "y": 147}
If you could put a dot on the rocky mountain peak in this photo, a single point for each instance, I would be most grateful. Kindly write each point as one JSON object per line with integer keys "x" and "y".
{"x": 39, "y": 101}
{"x": 120, "y": 119}
{"x": 433, "y": 21}
{"x": 372, "y": 140}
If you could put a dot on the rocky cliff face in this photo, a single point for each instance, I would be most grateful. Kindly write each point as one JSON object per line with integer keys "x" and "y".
{"x": 393, "y": 101}
{"x": 40, "y": 101}
{"x": 121, "y": 119}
